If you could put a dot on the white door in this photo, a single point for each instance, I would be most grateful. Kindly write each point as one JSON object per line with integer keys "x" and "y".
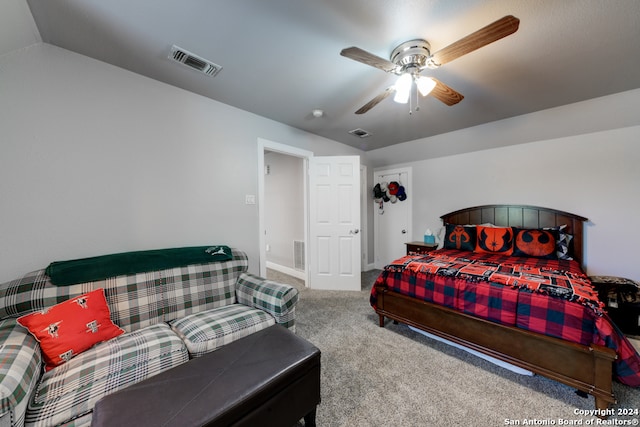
{"x": 392, "y": 223}
{"x": 334, "y": 223}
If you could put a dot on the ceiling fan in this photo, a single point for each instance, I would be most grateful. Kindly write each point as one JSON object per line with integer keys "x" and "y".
{"x": 410, "y": 58}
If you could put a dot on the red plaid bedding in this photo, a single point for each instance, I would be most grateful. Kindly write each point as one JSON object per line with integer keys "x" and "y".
{"x": 551, "y": 297}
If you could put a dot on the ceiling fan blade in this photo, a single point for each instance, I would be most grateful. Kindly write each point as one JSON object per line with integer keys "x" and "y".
{"x": 365, "y": 57}
{"x": 444, "y": 93}
{"x": 375, "y": 101}
{"x": 484, "y": 36}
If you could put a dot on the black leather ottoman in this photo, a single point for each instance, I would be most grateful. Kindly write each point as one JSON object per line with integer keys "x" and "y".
{"x": 270, "y": 378}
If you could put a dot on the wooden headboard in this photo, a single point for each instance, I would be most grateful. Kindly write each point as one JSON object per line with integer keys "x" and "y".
{"x": 525, "y": 217}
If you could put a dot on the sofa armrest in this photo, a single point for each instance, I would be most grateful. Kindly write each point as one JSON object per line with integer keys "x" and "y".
{"x": 277, "y": 299}
{"x": 20, "y": 370}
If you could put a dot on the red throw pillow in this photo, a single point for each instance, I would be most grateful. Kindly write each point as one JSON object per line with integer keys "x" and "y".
{"x": 494, "y": 240}
{"x": 71, "y": 327}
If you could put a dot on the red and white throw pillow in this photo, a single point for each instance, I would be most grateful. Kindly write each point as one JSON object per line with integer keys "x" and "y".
{"x": 71, "y": 327}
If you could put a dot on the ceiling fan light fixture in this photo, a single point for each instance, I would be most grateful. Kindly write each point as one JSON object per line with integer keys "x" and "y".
{"x": 425, "y": 85}
{"x": 411, "y": 57}
{"x": 403, "y": 88}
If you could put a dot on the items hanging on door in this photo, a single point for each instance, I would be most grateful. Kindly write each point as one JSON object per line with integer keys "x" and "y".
{"x": 388, "y": 192}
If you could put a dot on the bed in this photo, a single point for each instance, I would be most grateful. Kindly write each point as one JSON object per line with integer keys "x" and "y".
{"x": 526, "y": 307}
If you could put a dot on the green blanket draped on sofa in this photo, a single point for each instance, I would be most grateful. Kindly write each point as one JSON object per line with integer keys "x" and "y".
{"x": 101, "y": 267}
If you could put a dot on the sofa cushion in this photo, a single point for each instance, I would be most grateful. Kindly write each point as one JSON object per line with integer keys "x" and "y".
{"x": 19, "y": 370}
{"x": 71, "y": 327}
{"x": 71, "y": 390}
{"x": 194, "y": 288}
{"x": 208, "y": 330}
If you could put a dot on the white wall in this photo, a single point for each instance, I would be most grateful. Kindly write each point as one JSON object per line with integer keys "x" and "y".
{"x": 595, "y": 175}
{"x": 95, "y": 159}
{"x": 594, "y": 115}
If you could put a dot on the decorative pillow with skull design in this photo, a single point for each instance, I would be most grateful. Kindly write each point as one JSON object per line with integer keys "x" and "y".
{"x": 71, "y": 327}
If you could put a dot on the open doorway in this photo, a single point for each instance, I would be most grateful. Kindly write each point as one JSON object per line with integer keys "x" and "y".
{"x": 283, "y": 201}
{"x": 284, "y": 194}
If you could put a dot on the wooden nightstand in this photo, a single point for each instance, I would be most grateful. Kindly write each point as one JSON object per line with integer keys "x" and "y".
{"x": 418, "y": 248}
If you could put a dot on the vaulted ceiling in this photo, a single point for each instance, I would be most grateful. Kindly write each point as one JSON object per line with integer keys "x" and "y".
{"x": 281, "y": 58}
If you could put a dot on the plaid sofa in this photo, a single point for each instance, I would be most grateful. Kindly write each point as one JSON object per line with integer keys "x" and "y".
{"x": 169, "y": 317}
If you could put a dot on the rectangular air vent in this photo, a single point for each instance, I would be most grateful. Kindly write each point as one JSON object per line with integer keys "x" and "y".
{"x": 360, "y": 133}
{"x": 298, "y": 255}
{"x": 194, "y": 61}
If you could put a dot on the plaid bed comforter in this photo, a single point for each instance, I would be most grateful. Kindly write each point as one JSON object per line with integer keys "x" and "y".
{"x": 551, "y": 297}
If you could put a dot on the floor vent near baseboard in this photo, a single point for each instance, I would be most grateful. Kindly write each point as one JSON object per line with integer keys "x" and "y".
{"x": 187, "y": 58}
{"x": 298, "y": 255}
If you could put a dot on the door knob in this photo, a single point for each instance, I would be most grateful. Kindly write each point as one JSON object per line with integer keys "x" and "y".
{"x": 356, "y": 231}
{"x": 404, "y": 231}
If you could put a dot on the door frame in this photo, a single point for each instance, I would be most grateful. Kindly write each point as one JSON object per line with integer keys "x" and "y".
{"x": 364, "y": 214}
{"x": 265, "y": 144}
{"x": 409, "y": 201}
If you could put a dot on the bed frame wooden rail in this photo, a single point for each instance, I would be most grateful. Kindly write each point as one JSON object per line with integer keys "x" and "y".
{"x": 591, "y": 367}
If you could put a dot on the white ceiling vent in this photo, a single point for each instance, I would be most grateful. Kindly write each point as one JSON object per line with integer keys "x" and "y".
{"x": 360, "y": 133}
{"x": 187, "y": 58}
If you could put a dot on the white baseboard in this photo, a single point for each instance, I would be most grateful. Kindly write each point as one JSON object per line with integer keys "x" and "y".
{"x": 287, "y": 270}
{"x": 369, "y": 267}
{"x": 301, "y": 274}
